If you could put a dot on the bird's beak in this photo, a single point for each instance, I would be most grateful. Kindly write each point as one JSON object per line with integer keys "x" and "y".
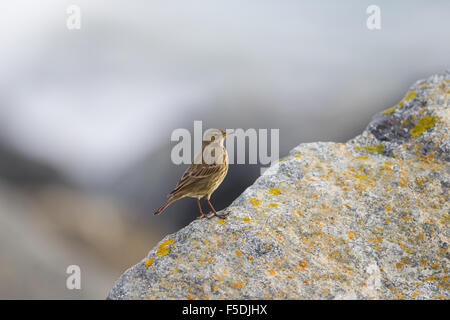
{"x": 228, "y": 133}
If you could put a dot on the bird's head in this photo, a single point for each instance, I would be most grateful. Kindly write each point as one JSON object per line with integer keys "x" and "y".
{"x": 214, "y": 136}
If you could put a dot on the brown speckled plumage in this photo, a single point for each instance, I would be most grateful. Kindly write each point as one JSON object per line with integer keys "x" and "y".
{"x": 202, "y": 179}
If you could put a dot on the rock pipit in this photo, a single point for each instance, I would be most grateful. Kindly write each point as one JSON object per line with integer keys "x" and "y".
{"x": 203, "y": 177}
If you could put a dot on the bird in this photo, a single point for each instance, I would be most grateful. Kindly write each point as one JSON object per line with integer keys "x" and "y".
{"x": 203, "y": 176}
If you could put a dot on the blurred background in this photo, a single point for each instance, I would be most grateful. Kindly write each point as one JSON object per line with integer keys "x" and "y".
{"x": 86, "y": 115}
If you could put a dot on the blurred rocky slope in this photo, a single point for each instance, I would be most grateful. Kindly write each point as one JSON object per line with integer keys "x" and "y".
{"x": 47, "y": 224}
{"x": 363, "y": 220}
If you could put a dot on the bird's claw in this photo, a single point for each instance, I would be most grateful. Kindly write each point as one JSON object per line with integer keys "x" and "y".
{"x": 214, "y": 214}
{"x": 203, "y": 216}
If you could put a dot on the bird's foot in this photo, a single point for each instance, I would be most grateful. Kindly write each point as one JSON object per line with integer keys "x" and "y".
{"x": 215, "y": 214}
{"x": 202, "y": 216}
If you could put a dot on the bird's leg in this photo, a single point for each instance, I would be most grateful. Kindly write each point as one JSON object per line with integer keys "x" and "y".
{"x": 214, "y": 211}
{"x": 201, "y": 211}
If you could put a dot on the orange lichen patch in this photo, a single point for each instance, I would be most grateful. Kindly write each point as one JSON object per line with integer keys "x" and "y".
{"x": 238, "y": 253}
{"x": 315, "y": 195}
{"x": 206, "y": 297}
{"x": 388, "y": 208}
{"x": 351, "y": 234}
{"x": 190, "y": 298}
{"x": 297, "y": 156}
{"x": 254, "y": 202}
{"x": 272, "y": 205}
{"x": 420, "y": 181}
{"x": 414, "y": 294}
{"x": 149, "y": 262}
{"x": 402, "y": 182}
{"x": 271, "y": 271}
{"x": 302, "y": 265}
{"x": 275, "y": 191}
{"x": 398, "y": 265}
{"x": 445, "y": 278}
{"x": 245, "y": 219}
{"x": 164, "y": 248}
{"x": 239, "y": 284}
{"x": 175, "y": 271}
{"x": 399, "y": 296}
{"x": 221, "y": 221}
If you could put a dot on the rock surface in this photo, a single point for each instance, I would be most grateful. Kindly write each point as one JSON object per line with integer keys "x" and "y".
{"x": 363, "y": 220}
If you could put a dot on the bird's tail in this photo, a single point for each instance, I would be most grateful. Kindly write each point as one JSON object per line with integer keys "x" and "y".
{"x": 165, "y": 205}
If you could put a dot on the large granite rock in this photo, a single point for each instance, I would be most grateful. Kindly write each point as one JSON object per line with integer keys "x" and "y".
{"x": 363, "y": 220}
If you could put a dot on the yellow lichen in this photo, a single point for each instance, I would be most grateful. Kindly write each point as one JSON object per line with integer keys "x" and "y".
{"x": 271, "y": 271}
{"x": 391, "y": 109}
{"x": 378, "y": 148}
{"x": 221, "y": 221}
{"x": 275, "y": 191}
{"x": 422, "y": 125}
{"x": 273, "y": 205}
{"x": 254, "y": 201}
{"x": 420, "y": 181}
{"x": 411, "y": 95}
{"x": 245, "y": 219}
{"x": 164, "y": 248}
{"x": 149, "y": 262}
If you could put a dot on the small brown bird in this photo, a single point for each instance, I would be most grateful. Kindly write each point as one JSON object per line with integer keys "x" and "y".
{"x": 203, "y": 177}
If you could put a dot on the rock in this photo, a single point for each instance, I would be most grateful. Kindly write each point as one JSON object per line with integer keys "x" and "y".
{"x": 363, "y": 220}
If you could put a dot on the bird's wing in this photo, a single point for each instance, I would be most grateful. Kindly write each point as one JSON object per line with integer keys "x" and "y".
{"x": 194, "y": 173}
